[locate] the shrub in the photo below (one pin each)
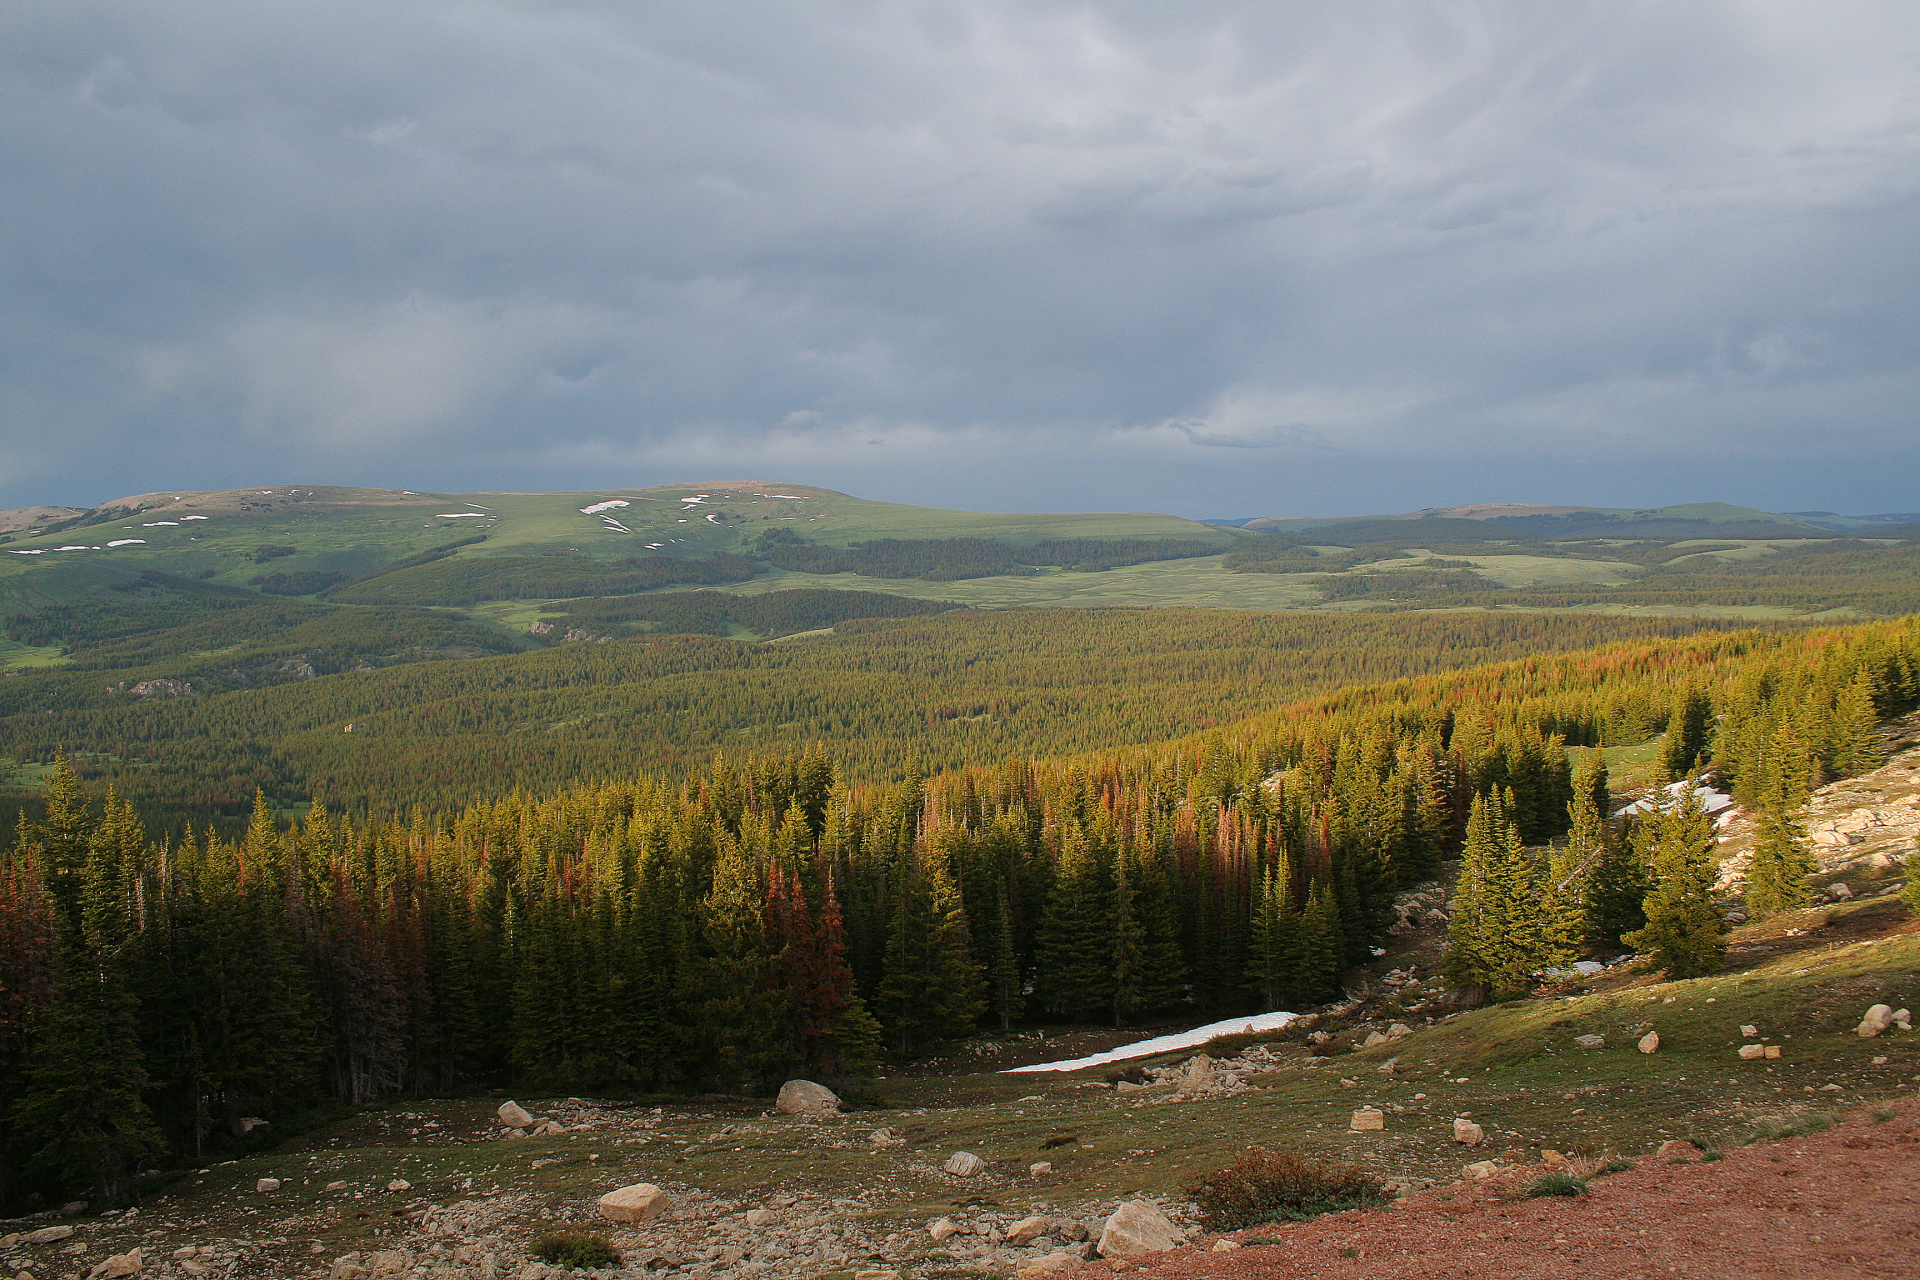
(1614, 1166)
(1280, 1186)
(579, 1249)
(1556, 1184)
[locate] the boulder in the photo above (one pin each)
(1752, 1051)
(336, 1186)
(1399, 1029)
(1553, 1159)
(266, 1184)
(641, 1202)
(757, 1218)
(1479, 1170)
(116, 1267)
(805, 1098)
(1028, 1230)
(514, 1116)
(1749, 1031)
(1373, 1038)
(247, 1124)
(47, 1235)
(1467, 1133)
(1039, 1168)
(1840, 890)
(1773, 1051)
(943, 1229)
(965, 1164)
(1225, 1246)
(1367, 1118)
(120, 1264)
(399, 1184)
(1137, 1227)
(1650, 1042)
(1051, 1262)
(1591, 1042)
(1878, 1019)
(1903, 1019)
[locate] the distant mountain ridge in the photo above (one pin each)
(1492, 520)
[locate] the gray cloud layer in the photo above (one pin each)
(1217, 257)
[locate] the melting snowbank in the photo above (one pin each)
(1167, 1044)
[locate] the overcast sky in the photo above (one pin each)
(1210, 257)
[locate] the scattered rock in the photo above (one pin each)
(641, 1202)
(1039, 1168)
(399, 1184)
(876, 1275)
(1373, 1038)
(1028, 1230)
(1480, 1171)
(1650, 1042)
(514, 1116)
(943, 1229)
(761, 1218)
(1903, 1019)
(1468, 1133)
(1591, 1042)
(1368, 1118)
(1137, 1227)
(336, 1186)
(1676, 1147)
(1839, 889)
(965, 1164)
(1051, 1262)
(1553, 1159)
(1749, 1031)
(1773, 1051)
(266, 1184)
(1399, 1029)
(120, 1264)
(1752, 1051)
(1225, 1246)
(47, 1235)
(247, 1124)
(805, 1098)
(1878, 1019)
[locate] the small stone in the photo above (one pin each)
(1373, 1038)
(641, 1202)
(1903, 1019)
(1773, 1051)
(1051, 1262)
(1137, 1227)
(1039, 1168)
(514, 1116)
(336, 1186)
(1399, 1029)
(266, 1184)
(1388, 1067)
(1879, 1059)
(1591, 1042)
(1479, 1171)
(761, 1217)
(1830, 1088)
(1553, 1159)
(399, 1184)
(1840, 890)
(1367, 1118)
(805, 1098)
(1878, 1019)
(1225, 1246)
(1753, 1051)
(964, 1164)
(1467, 1133)
(1028, 1230)
(943, 1229)
(1650, 1042)
(46, 1235)
(1749, 1031)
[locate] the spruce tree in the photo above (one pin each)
(1127, 940)
(1274, 945)
(1319, 948)
(1689, 727)
(1073, 970)
(1497, 935)
(1857, 743)
(1782, 862)
(932, 989)
(1685, 932)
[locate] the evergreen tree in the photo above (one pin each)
(1497, 934)
(1319, 945)
(83, 1113)
(1128, 940)
(1857, 743)
(1275, 940)
(1685, 932)
(1689, 727)
(1073, 951)
(1782, 862)
(932, 990)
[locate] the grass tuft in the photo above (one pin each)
(1280, 1186)
(582, 1250)
(1613, 1166)
(1556, 1184)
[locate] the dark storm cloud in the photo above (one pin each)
(1216, 257)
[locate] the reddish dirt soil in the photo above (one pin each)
(1841, 1203)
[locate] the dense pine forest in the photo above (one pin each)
(722, 929)
(187, 721)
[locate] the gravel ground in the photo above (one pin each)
(1841, 1203)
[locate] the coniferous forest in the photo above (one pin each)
(724, 928)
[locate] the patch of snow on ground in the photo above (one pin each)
(196, 517)
(460, 515)
(1714, 802)
(128, 542)
(162, 524)
(1166, 1044)
(610, 504)
(715, 518)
